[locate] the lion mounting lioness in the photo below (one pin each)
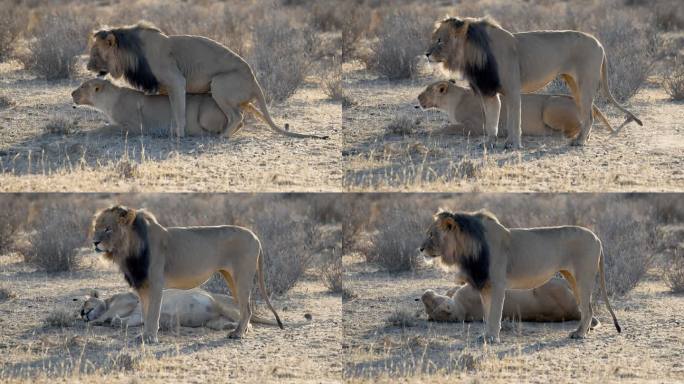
(495, 61)
(153, 257)
(154, 62)
(493, 259)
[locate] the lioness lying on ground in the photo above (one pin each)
(136, 112)
(185, 308)
(553, 301)
(541, 114)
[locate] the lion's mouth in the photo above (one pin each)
(86, 315)
(98, 250)
(102, 74)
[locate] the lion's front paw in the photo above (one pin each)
(235, 335)
(577, 142)
(577, 335)
(146, 339)
(512, 145)
(488, 339)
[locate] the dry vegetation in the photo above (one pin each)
(43, 338)
(388, 338)
(382, 155)
(46, 145)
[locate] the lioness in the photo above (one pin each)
(136, 112)
(542, 115)
(496, 61)
(552, 301)
(153, 62)
(493, 258)
(153, 257)
(185, 308)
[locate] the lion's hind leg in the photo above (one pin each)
(584, 287)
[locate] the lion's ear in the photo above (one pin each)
(110, 39)
(460, 31)
(447, 223)
(129, 217)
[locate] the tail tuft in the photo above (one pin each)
(287, 126)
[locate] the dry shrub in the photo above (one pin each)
(281, 56)
(356, 18)
(57, 236)
(60, 318)
(60, 125)
(5, 294)
(216, 284)
(674, 271)
(326, 15)
(12, 21)
(401, 40)
(402, 125)
(60, 35)
(332, 273)
(333, 87)
(673, 80)
(398, 236)
(287, 243)
(11, 218)
(401, 318)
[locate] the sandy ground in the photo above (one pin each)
(648, 350)
(95, 158)
(648, 158)
(306, 351)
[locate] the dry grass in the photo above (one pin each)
(59, 37)
(12, 21)
(402, 125)
(332, 273)
(674, 271)
(60, 125)
(60, 318)
(56, 239)
(401, 40)
(293, 47)
(6, 294)
(673, 80)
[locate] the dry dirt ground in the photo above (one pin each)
(648, 158)
(96, 158)
(306, 351)
(648, 350)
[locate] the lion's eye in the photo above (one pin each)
(108, 230)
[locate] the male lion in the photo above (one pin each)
(542, 115)
(153, 62)
(136, 112)
(493, 258)
(185, 308)
(496, 61)
(153, 257)
(553, 301)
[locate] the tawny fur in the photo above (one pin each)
(497, 62)
(173, 65)
(541, 114)
(493, 259)
(153, 257)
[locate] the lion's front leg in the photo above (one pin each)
(177, 98)
(492, 300)
(492, 109)
(511, 88)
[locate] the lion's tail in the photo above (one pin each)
(265, 116)
(603, 288)
(609, 96)
(262, 284)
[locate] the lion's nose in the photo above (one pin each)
(427, 54)
(96, 243)
(422, 249)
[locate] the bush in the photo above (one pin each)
(401, 318)
(60, 125)
(403, 37)
(355, 20)
(287, 242)
(397, 240)
(281, 57)
(58, 236)
(332, 273)
(12, 20)
(59, 37)
(11, 218)
(673, 81)
(674, 271)
(60, 318)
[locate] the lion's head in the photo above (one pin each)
(463, 45)
(119, 52)
(441, 95)
(459, 239)
(93, 307)
(442, 308)
(113, 230)
(87, 92)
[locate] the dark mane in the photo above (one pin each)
(483, 79)
(136, 68)
(135, 266)
(475, 267)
